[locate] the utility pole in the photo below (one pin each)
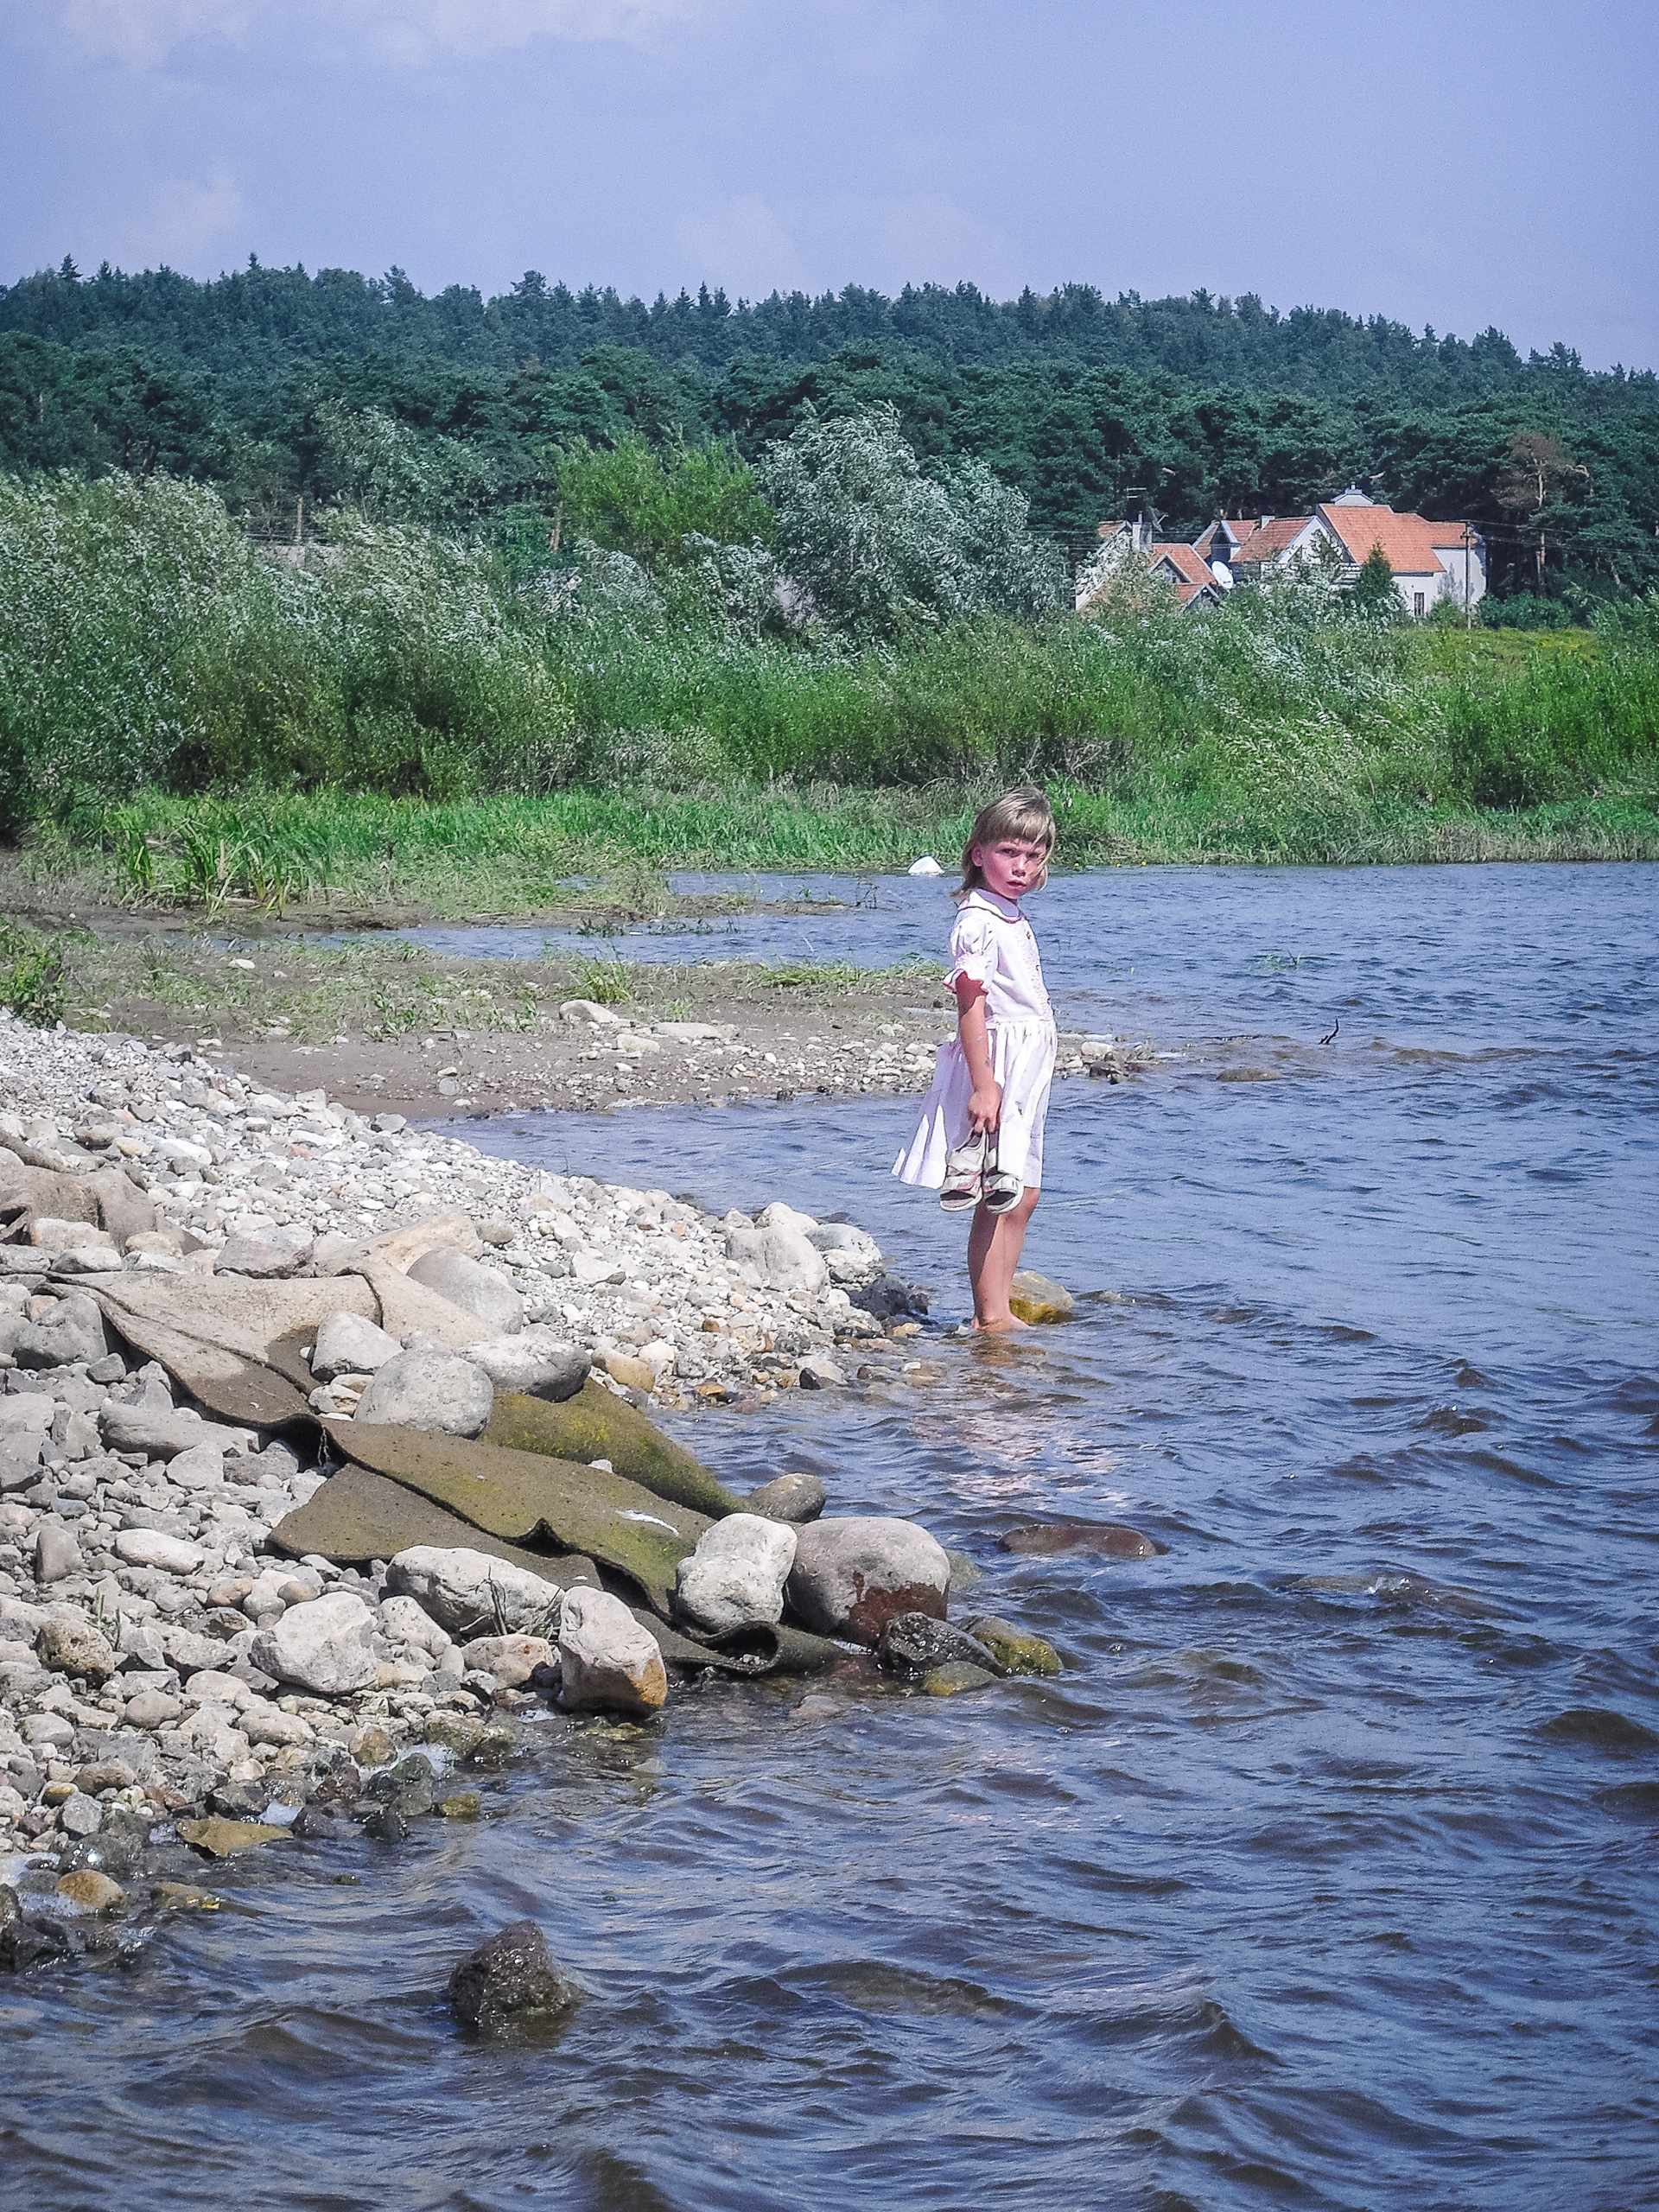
(299, 520)
(1468, 604)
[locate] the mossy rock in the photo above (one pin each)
(596, 1424)
(358, 1517)
(1014, 1652)
(527, 1498)
(1037, 1298)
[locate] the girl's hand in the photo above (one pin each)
(985, 1108)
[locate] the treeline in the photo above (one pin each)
(1085, 406)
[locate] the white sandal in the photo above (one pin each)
(999, 1190)
(965, 1167)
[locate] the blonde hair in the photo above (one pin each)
(1023, 813)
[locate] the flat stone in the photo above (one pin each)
(632, 1374)
(436, 1391)
(80, 1815)
(151, 1547)
(796, 1498)
(512, 1977)
(511, 1659)
(1015, 1651)
(152, 1709)
(917, 1643)
(607, 1660)
(219, 1838)
(159, 1431)
(265, 1253)
(736, 1575)
(852, 1576)
(199, 1468)
(596, 1424)
(482, 1292)
(74, 1331)
(590, 1013)
(323, 1646)
(464, 1805)
(1036, 1297)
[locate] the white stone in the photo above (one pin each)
(347, 1344)
(403, 1621)
(323, 1646)
(736, 1575)
(435, 1390)
(778, 1259)
(537, 1361)
(198, 1468)
(153, 1548)
(608, 1661)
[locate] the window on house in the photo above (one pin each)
(1416, 602)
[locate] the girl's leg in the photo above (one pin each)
(994, 1243)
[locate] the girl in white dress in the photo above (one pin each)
(979, 1141)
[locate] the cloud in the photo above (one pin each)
(180, 220)
(741, 243)
(145, 32)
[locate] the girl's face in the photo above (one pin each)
(1011, 867)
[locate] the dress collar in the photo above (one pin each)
(979, 895)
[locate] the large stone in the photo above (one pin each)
(510, 1977)
(199, 1468)
(535, 1362)
(347, 1344)
(851, 1577)
(218, 1838)
(778, 1258)
(159, 1431)
(88, 1891)
(433, 1391)
(795, 1498)
(1033, 1297)
(265, 1253)
(74, 1331)
(75, 1647)
(468, 1594)
(154, 1548)
(323, 1646)
(609, 1662)
(736, 1575)
(915, 1644)
(403, 1620)
(478, 1290)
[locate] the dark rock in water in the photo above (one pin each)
(318, 1825)
(339, 1785)
(120, 1844)
(1601, 1730)
(888, 1297)
(385, 1824)
(1110, 1539)
(406, 1788)
(796, 1498)
(238, 1801)
(512, 1977)
(25, 1943)
(1639, 1799)
(915, 1644)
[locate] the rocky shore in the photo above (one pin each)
(326, 1447)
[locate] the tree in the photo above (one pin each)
(633, 499)
(883, 547)
(1539, 467)
(1374, 593)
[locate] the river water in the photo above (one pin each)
(1324, 1877)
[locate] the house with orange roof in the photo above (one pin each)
(1431, 561)
(1181, 568)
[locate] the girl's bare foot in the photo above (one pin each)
(1002, 1328)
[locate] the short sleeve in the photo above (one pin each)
(973, 949)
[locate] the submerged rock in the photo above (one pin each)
(512, 1977)
(1037, 1298)
(219, 1838)
(1111, 1539)
(956, 1676)
(851, 1577)
(438, 1391)
(736, 1575)
(90, 1891)
(607, 1660)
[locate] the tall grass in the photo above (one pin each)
(216, 724)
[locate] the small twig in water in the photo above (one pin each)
(1330, 1038)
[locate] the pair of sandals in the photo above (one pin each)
(973, 1178)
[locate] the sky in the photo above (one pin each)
(1460, 165)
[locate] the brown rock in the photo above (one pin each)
(851, 1577)
(1110, 1539)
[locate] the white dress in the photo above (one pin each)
(992, 942)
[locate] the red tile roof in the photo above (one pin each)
(1407, 541)
(1268, 539)
(1192, 572)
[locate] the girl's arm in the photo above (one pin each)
(985, 1107)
